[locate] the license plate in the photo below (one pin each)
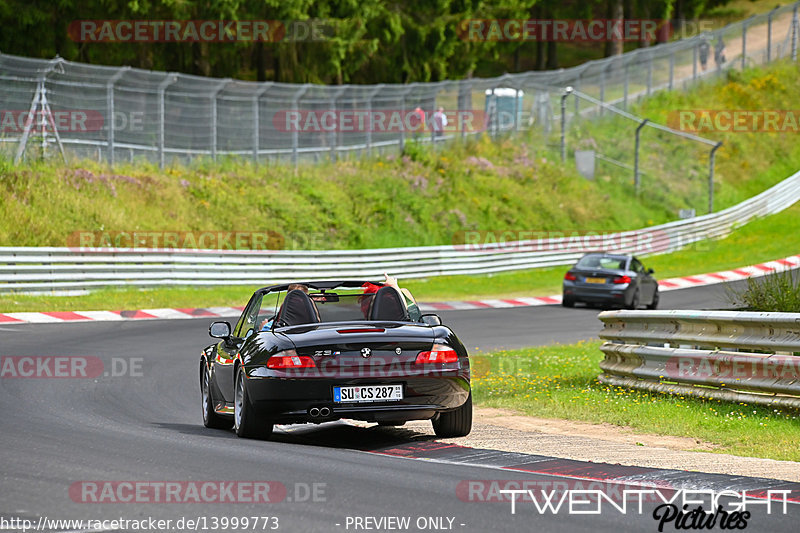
(368, 393)
(595, 280)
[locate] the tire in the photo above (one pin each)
(456, 423)
(654, 303)
(568, 302)
(634, 300)
(210, 417)
(246, 422)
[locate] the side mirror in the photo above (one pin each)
(220, 330)
(651, 271)
(431, 319)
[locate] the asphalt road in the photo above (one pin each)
(145, 425)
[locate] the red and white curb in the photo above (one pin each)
(671, 284)
(105, 316)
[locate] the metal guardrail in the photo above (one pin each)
(726, 355)
(51, 268)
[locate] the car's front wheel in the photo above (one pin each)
(210, 417)
(246, 421)
(456, 423)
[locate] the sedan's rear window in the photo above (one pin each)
(602, 262)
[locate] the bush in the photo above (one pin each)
(778, 292)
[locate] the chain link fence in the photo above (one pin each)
(118, 114)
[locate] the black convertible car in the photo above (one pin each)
(321, 351)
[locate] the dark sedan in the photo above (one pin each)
(611, 280)
(321, 351)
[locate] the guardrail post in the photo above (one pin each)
(162, 87)
(636, 179)
(564, 95)
(711, 176)
(110, 112)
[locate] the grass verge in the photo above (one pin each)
(560, 381)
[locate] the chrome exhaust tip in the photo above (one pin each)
(314, 411)
(324, 411)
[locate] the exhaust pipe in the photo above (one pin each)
(324, 411)
(314, 411)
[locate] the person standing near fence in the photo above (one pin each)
(703, 50)
(439, 122)
(719, 52)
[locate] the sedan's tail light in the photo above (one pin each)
(621, 279)
(290, 359)
(440, 353)
(569, 276)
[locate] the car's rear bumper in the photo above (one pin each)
(290, 400)
(601, 294)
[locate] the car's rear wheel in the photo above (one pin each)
(654, 303)
(567, 302)
(456, 423)
(210, 417)
(246, 422)
(634, 300)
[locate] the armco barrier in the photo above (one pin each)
(727, 355)
(50, 268)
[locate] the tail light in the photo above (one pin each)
(621, 279)
(440, 353)
(290, 359)
(569, 276)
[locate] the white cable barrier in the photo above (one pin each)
(65, 268)
(743, 357)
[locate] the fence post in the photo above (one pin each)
(636, 179)
(694, 63)
(671, 69)
(769, 34)
(110, 112)
(602, 89)
(369, 114)
(625, 87)
(745, 23)
(257, 119)
(162, 87)
(214, 93)
(794, 33)
(295, 133)
(711, 176)
(564, 95)
(649, 72)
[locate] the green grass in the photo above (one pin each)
(560, 381)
